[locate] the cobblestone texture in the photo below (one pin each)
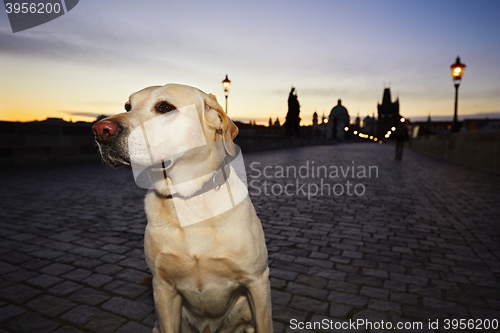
(422, 242)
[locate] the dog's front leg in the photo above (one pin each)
(168, 305)
(260, 300)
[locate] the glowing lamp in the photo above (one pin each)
(457, 70)
(226, 84)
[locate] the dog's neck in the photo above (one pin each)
(193, 173)
(214, 181)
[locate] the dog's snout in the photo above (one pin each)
(105, 130)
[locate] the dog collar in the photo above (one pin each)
(215, 182)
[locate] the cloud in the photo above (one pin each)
(89, 114)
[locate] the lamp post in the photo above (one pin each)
(226, 84)
(457, 70)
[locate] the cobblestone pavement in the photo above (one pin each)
(417, 241)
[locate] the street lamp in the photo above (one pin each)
(457, 70)
(226, 84)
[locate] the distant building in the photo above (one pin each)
(277, 122)
(388, 113)
(370, 125)
(481, 125)
(337, 121)
(357, 122)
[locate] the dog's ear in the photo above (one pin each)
(229, 129)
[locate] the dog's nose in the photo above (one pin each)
(105, 130)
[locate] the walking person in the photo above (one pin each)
(401, 135)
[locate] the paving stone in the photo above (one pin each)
(309, 304)
(372, 317)
(278, 327)
(126, 289)
(417, 280)
(47, 254)
(105, 323)
(343, 287)
(279, 297)
(78, 274)
(64, 288)
(150, 319)
(444, 306)
(56, 269)
(87, 252)
(300, 289)
(127, 308)
(17, 293)
(314, 262)
(404, 298)
(376, 272)
(284, 314)
(136, 263)
(329, 274)
(68, 329)
(395, 285)
(339, 310)
(19, 275)
(278, 283)
(97, 280)
(87, 263)
(30, 322)
(348, 299)
(371, 292)
(108, 269)
(365, 280)
(6, 268)
(44, 280)
(352, 254)
(112, 258)
(312, 281)
(484, 313)
(89, 296)
(283, 274)
(131, 275)
(9, 311)
(81, 314)
(132, 327)
(15, 258)
(384, 306)
(50, 306)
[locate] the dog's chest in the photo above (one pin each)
(202, 278)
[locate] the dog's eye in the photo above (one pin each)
(164, 107)
(128, 106)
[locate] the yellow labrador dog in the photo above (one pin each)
(209, 264)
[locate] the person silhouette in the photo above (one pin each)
(400, 135)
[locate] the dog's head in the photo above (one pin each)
(166, 128)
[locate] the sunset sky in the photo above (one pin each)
(87, 62)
